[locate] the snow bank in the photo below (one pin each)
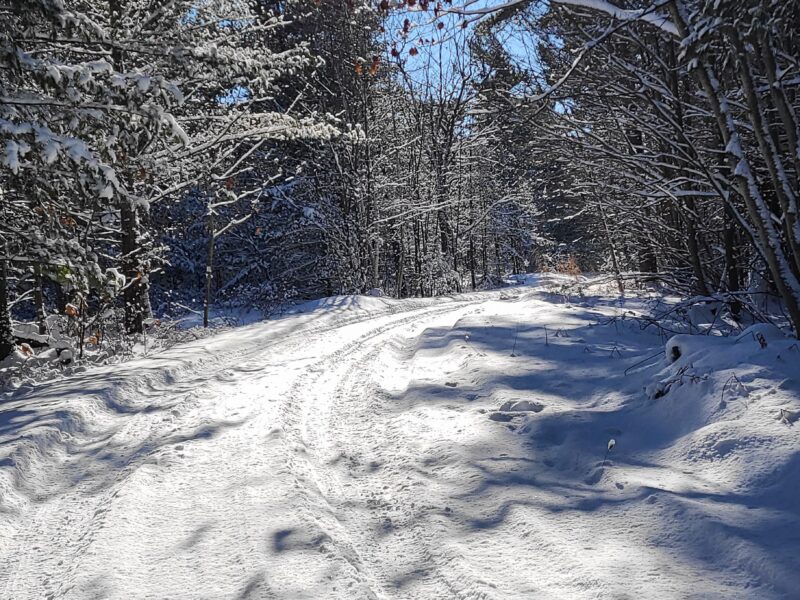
(369, 303)
(698, 488)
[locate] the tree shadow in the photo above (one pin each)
(552, 462)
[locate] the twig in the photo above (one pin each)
(516, 335)
(643, 361)
(478, 352)
(739, 382)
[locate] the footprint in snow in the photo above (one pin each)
(515, 408)
(521, 406)
(595, 476)
(501, 417)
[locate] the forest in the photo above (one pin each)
(159, 159)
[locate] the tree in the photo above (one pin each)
(109, 107)
(650, 93)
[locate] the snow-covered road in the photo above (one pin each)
(358, 450)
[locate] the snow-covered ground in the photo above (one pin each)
(451, 448)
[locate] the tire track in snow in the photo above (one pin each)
(410, 522)
(310, 475)
(68, 521)
(343, 388)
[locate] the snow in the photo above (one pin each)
(647, 15)
(368, 447)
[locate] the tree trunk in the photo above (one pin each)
(137, 302)
(376, 257)
(765, 236)
(731, 263)
(776, 169)
(38, 299)
(212, 240)
(700, 286)
(613, 250)
(472, 262)
(6, 337)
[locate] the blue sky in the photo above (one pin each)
(449, 43)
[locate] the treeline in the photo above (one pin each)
(163, 157)
(677, 123)
(419, 195)
(109, 108)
